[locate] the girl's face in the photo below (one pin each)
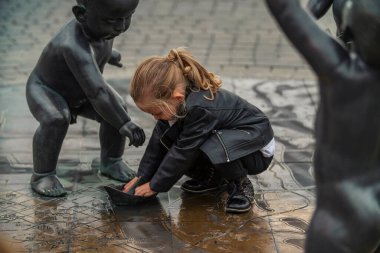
(163, 111)
(160, 112)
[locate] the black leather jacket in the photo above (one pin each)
(225, 129)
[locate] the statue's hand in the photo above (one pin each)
(115, 59)
(135, 133)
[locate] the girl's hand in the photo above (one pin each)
(144, 190)
(128, 186)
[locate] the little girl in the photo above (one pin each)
(207, 133)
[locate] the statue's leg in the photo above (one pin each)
(347, 218)
(112, 148)
(112, 145)
(321, 236)
(53, 114)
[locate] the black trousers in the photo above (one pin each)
(251, 164)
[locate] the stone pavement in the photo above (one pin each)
(236, 39)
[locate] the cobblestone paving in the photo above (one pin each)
(236, 39)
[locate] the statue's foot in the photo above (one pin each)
(47, 185)
(117, 169)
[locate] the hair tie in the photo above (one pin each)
(173, 55)
(186, 71)
(170, 58)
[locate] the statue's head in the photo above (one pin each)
(361, 20)
(104, 19)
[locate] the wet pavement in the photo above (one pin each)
(254, 60)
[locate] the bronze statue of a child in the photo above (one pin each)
(318, 8)
(67, 81)
(347, 152)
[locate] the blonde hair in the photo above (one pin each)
(160, 76)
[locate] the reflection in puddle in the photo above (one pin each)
(201, 221)
(142, 226)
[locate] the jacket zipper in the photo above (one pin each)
(164, 144)
(162, 137)
(243, 131)
(222, 143)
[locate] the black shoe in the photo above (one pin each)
(210, 181)
(196, 186)
(241, 195)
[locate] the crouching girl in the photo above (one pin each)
(207, 133)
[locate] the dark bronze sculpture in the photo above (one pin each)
(347, 155)
(67, 81)
(319, 8)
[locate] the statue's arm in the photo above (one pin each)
(319, 7)
(320, 50)
(105, 100)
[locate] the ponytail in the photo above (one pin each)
(159, 76)
(195, 72)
